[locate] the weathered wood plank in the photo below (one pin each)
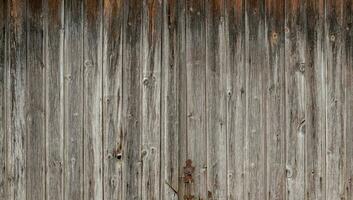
(3, 62)
(35, 102)
(73, 99)
(113, 30)
(172, 63)
(255, 140)
(15, 100)
(92, 100)
(151, 98)
(236, 91)
(315, 101)
(335, 145)
(196, 114)
(295, 36)
(54, 34)
(275, 100)
(216, 100)
(132, 70)
(348, 109)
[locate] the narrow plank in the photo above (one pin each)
(335, 149)
(172, 62)
(15, 100)
(151, 98)
(54, 35)
(275, 99)
(132, 155)
(216, 100)
(92, 100)
(35, 102)
(3, 29)
(236, 91)
(295, 49)
(348, 109)
(196, 97)
(315, 113)
(113, 30)
(255, 140)
(73, 101)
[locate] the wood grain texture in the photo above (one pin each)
(3, 62)
(236, 96)
(35, 102)
(113, 29)
(196, 97)
(295, 36)
(176, 99)
(15, 100)
(73, 101)
(92, 100)
(216, 100)
(132, 70)
(54, 79)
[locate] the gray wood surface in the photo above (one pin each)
(169, 99)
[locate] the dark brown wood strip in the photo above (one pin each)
(113, 30)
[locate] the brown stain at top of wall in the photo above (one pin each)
(91, 10)
(112, 6)
(217, 7)
(53, 12)
(16, 12)
(154, 7)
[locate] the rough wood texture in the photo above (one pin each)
(176, 99)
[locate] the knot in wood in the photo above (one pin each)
(188, 171)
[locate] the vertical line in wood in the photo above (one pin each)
(236, 96)
(274, 90)
(314, 70)
(54, 99)
(133, 67)
(216, 114)
(74, 87)
(113, 154)
(3, 29)
(151, 97)
(255, 159)
(196, 114)
(16, 95)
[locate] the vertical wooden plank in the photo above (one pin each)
(35, 102)
(3, 45)
(335, 146)
(348, 109)
(92, 100)
(131, 100)
(314, 70)
(216, 98)
(54, 34)
(113, 30)
(73, 92)
(236, 93)
(151, 98)
(275, 91)
(295, 36)
(16, 95)
(255, 141)
(196, 97)
(173, 132)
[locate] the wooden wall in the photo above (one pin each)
(176, 99)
